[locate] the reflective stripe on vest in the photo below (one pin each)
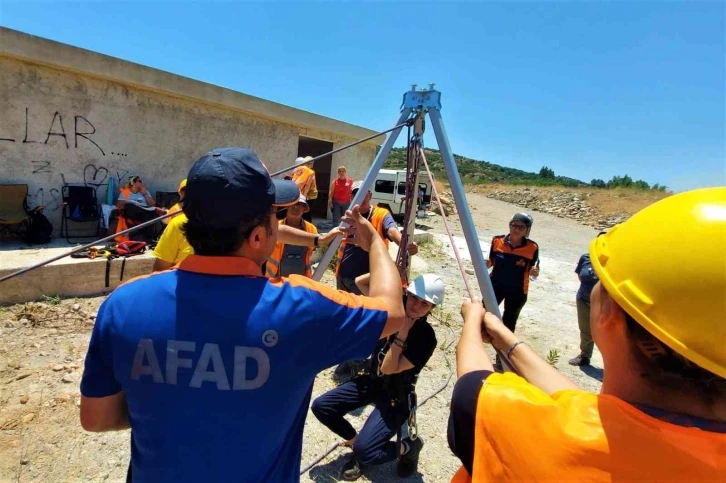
(273, 263)
(376, 218)
(524, 434)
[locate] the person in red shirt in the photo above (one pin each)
(340, 195)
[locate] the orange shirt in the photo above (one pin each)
(523, 434)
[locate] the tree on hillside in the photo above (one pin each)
(640, 184)
(547, 173)
(597, 183)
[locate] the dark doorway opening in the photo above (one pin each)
(322, 168)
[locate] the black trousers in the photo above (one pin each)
(373, 445)
(514, 299)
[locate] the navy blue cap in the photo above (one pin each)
(230, 186)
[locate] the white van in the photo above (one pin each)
(389, 189)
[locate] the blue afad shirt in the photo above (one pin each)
(217, 364)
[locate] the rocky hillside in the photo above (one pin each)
(600, 209)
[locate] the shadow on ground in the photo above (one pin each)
(331, 471)
(594, 372)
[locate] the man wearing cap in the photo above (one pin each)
(212, 364)
(289, 259)
(661, 413)
(352, 260)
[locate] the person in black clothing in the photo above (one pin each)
(513, 258)
(390, 378)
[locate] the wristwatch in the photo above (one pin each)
(315, 240)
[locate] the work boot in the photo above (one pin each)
(351, 469)
(580, 360)
(408, 463)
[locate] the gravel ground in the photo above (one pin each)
(42, 348)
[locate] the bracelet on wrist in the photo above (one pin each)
(512, 347)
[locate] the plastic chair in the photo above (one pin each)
(80, 205)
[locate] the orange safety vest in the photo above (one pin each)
(121, 224)
(301, 176)
(523, 434)
(273, 263)
(376, 218)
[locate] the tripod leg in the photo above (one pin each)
(467, 223)
(367, 182)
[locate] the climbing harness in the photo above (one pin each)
(438, 390)
(122, 250)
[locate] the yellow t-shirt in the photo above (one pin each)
(173, 246)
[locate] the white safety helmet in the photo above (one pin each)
(302, 160)
(429, 287)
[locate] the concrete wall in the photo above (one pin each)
(72, 116)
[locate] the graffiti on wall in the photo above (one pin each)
(50, 200)
(69, 131)
(81, 135)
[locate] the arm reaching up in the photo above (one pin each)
(385, 283)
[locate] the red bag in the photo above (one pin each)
(128, 248)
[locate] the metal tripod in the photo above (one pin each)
(416, 104)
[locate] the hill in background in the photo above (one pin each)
(483, 172)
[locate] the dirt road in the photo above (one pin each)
(42, 348)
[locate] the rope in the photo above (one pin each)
(423, 401)
(501, 355)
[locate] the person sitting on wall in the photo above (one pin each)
(289, 259)
(136, 205)
(304, 178)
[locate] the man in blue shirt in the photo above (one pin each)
(588, 280)
(212, 365)
(352, 261)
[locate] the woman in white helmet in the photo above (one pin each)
(387, 383)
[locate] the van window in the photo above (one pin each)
(385, 186)
(401, 188)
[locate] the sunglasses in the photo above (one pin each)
(281, 213)
(518, 226)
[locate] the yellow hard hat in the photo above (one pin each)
(666, 267)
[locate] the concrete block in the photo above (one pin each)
(68, 277)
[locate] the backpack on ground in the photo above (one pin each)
(39, 229)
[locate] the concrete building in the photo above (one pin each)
(68, 115)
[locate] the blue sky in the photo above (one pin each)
(590, 89)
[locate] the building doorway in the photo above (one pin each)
(323, 167)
